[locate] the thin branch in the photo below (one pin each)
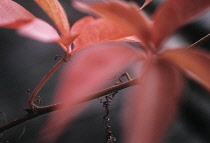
(44, 80)
(48, 109)
(200, 42)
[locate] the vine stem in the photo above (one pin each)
(44, 80)
(50, 108)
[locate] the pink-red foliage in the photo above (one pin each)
(153, 105)
(87, 71)
(42, 31)
(173, 14)
(97, 31)
(56, 13)
(12, 15)
(194, 62)
(125, 17)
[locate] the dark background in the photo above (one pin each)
(24, 62)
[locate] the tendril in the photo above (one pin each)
(108, 98)
(109, 135)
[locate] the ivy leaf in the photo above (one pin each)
(172, 14)
(56, 13)
(79, 25)
(96, 31)
(12, 15)
(39, 30)
(152, 106)
(125, 16)
(193, 61)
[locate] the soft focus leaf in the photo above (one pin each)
(151, 107)
(195, 62)
(96, 31)
(12, 15)
(125, 16)
(56, 13)
(39, 30)
(172, 14)
(88, 70)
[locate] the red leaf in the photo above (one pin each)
(56, 13)
(152, 107)
(125, 16)
(39, 30)
(173, 14)
(87, 71)
(96, 31)
(12, 15)
(196, 63)
(78, 26)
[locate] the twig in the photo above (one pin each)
(44, 80)
(200, 42)
(47, 109)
